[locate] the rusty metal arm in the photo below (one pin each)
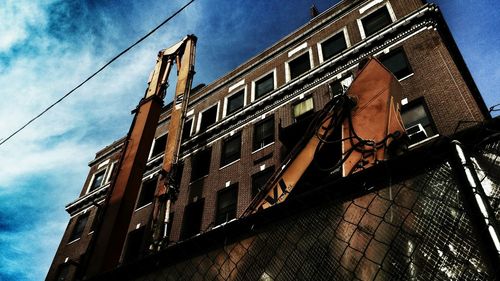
(368, 115)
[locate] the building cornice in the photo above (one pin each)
(401, 30)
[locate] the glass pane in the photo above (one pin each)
(226, 204)
(81, 221)
(376, 21)
(231, 150)
(263, 133)
(417, 114)
(264, 85)
(397, 63)
(98, 178)
(200, 164)
(333, 46)
(147, 193)
(299, 65)
(186, 129)
(235, 102)
(208, 118)
(303, 107)
(159, 146)
(259, 179)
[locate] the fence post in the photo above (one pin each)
(482, 216)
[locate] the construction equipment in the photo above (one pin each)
(363, 122)
(105, 249)
(168, 189)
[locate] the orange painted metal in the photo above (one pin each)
(109, 238)
(166, 191)
(375, 120)
(377, 94)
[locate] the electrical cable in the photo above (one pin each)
(97, 72)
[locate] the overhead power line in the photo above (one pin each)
(97, 72)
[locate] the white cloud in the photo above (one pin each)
(51, 154)
(17, 17)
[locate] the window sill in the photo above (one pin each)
(264, 147)
(224, 223)
(417, 144)
(142, 207)
(154, 158)
(73, 241)
(198, 179)
(406, 77)
(229, 164)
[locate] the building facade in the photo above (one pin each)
(232, 139)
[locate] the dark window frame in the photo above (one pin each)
(198, 171)
(135, 244)
(372, 16)
(336, 86)
(93, 184)
(79, 227)
(147, 192)
(402, 73)
(232, 96)
(266, 140)
(291, 65)
(421, 102)
(304, 114)
(261, 80)
(266, 173)
(63, 272)
(229, 212)
(186, 132)
(205, 125)
(331, 39)
(155, 151)
(193, 211)
(225, 158)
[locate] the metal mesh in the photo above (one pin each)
(487, 163)
(416, 229)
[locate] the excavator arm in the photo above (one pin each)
(368, 118)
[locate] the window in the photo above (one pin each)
(208, 118)
(226, 204)
(333, 46)
(339, 86)
(195, 191)
(193, 214)
(303, 108)
(80, 223)
(134, 244)
(397, 62)
(159, 146)
(97, 180)
(376, 21)
(414, 114)
(264, 85)
(200, 164)
(186, 130)
(62, 272)
(263, 133)
(231, 149)
(260, 179)
(112, 171)
(235, 102)
(299, 65)
(147, 192)
(97, 213)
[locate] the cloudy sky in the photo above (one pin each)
(49, 46)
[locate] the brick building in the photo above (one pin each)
(233, 134)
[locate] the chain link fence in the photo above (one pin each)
(415, 228)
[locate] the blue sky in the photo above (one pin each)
(49, 46)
